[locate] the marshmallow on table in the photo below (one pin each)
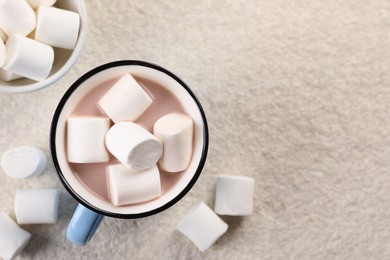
(28, 58)
(57, 27)
(13, 239)
(202, 226)
(36, 206)
(133, 146)
(125, 101)
(175, 132)
(16, 17)
(8, 76)
(85, 139)
(36, 3)
(129, 187)
(234, 195)
(2, 53)
(23, 162)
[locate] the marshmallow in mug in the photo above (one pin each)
(28, 58)
(36, 3)
(202, 226)
(126, 100)
(57, 27)
(12, 237)
(85, 139)
(133, 146)
(129, 187)
(234, 195)
(175, 131)
(37, 206)
(17, 17)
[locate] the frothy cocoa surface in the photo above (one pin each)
(93, 175)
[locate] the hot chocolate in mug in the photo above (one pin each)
(88, 182)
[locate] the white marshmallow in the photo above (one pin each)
(16, 17)
(86, 139)
(2, 53)
(133, 146)
(28, 58)
(202, 226)
(23, 162)
(36, 206)
(57, 27)
(3, 36)
(129, 187)
(234, 195)
(126, 100)
(13, 239)
(8, 76)
(36, 3)
(176, 133)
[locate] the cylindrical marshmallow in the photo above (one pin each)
(176, 133)
(129, 187)
(13, 239)
(126, 100)
(234, 195)
(85, 139)
(23, 162)
(36, 3)
(16, 17)
(2, 54)
(28, 58)
(36, 206)
(8, 76)
(57, 27)
(133, 146)
(3, 36)
(202, 226)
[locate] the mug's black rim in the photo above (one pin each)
(53, 130)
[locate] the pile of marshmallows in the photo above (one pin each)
(136, 178)
(32, 206)
(29, 29)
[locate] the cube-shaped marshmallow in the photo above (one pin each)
(234, 195)
(202, 226)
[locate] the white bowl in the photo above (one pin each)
(63, 59)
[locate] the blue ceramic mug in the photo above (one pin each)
(93, 207)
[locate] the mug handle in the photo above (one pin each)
(83, 225)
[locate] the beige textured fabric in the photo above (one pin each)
(297, 95)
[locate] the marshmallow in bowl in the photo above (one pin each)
(36, 3)
(57, 27)
(129, 187)
(13, 238)
(126, 100)
(28, 58)
(3, 36)
(85, 139)
(133, 146)
(234, 195)
(2, 54)
(202, 226)
(17, 17)
(23, 162)
(8, 76)
(37, 206)
(175, 131)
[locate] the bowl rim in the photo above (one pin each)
(53, 131)
(65, 68)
